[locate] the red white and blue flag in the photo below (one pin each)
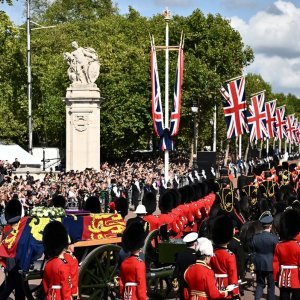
(271, 117)
(175, 115)
(280, 122)
(157, 113)
(166, 131)
(257, 117)
(290, 128)
(234, 106)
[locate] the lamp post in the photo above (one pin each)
(29, 77)
(195, 110)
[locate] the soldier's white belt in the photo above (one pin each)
(286, 267)
(221, 275)
(130, 284)
(56, 287)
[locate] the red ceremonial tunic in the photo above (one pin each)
(201, 282)
(286, 264)
(73, 264)
(57, 280)
(223, 263)
(133, 279)
(153, 222)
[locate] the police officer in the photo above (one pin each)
(263, 246)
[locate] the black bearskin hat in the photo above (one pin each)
(285, 165)
(13, 211)
(222, 231)
(166, 202)
(289, 224)
(92, 204)
(59, 201)
(149, 201)
(55, 238)
(257, 170)
(121, 206)
(223, 172)
(133, 237)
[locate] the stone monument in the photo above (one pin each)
(82, 110)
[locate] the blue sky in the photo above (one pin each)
(270, 27)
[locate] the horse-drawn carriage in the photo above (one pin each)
(98, 257)
(97, 242)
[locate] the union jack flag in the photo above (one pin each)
(280, 122)
(257, 117)
(234, 106)
(163, 130)
(270, 117)
(175, 116)
(296, 131)
(290, 128)
(157, 113)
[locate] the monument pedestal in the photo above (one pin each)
(82, 127)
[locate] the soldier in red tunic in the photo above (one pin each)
(223, 263)
(57, 277)
(133, 269)
(286, 261)
(200, 277)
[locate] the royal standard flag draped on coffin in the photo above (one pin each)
(25, 241)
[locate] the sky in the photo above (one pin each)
(271, 28)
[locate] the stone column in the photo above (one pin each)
(82, 127)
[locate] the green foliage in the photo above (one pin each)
(214, 52)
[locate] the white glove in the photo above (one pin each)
(230, 287)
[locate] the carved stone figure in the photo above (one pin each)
(84, 66)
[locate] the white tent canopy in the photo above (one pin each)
(11, 152)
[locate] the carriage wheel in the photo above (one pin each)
(158, 282)
(150, 249)
(98, 273)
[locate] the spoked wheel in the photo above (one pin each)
(98, 274)
(158, 275)
(150, 249)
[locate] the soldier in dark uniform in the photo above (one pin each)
(263, 246)
(183, 260)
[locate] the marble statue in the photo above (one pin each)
(84, 66)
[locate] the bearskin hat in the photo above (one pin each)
(285, 165)
(176, 197)
(223, 172)
(121, 206)
(92, 204)
(59, 201)
(166, 202)
(222, 231)
(258, 170)
(133, 237)
(289, 224)
(13, 211)
(149, 201)
(55, 238)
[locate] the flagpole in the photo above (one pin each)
(167, 17)
(267, 150)
(240, 146)
(279, 146)
(215, 128)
